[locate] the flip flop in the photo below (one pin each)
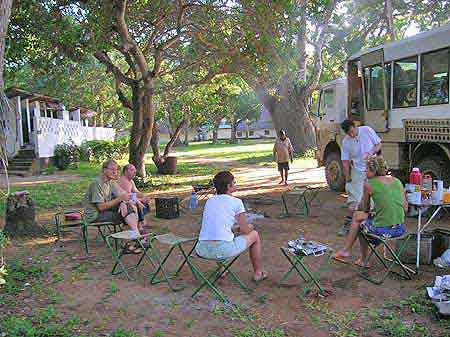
(260, 278)
(360, 263)
(341, 258)
(132, 250)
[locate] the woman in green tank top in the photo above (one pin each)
(388, 216)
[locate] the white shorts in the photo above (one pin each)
(355, 188)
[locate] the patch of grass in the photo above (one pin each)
(123, 333)
(19, 274)
(57, 277)
(54, 296)
(391, 324)
(42, 323)
(158, 333)
(190, 323)
(339, 324)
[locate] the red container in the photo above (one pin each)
(415, 177)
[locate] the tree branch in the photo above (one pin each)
(122, 98)
(103, 57)
(175, 136)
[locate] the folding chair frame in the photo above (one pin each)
(162, 262)
(223, 267)
(405, 272)
(202, 191)
(304, 198)
(118, 254)
(102, 228)
(305, 272)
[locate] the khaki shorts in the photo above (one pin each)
(355, 188)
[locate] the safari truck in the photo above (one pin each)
(400, 89)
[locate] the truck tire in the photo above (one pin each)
(438, 168)
(334, 172)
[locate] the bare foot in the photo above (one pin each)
(285, 183)
(282, 181)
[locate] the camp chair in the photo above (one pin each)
(373, 242)
(122, 240)
(210, 278)
(174, 242)
(297, 263)
(203, 191)
(302, 198)
(62, 225)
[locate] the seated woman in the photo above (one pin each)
(221, 213)
(389, 213)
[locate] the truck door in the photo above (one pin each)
(376, 83)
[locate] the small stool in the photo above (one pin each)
(373, 241)
(223, 268)
(174, 241)
(203, 191)
(296, 260)
(167, 208)
(303, 197)
(128, 236)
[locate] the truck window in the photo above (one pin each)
(326, 101)
(434, 77)
(405, 83)
(373, 78)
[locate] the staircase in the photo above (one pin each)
(22, 163)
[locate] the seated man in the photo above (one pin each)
(104, 200)
(390, 207)
(127, 184)
(216, 239)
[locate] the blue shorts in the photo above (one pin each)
(387, 232)
(221, 250)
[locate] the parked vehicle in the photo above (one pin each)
(401, 90)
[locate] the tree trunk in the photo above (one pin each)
(215, 135)
(291, 114)
(389, 16)
(21, 217)
(141, 130)
(5, 12)
(159, 159)
(233, 139)
(186, 136)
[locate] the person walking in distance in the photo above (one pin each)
(283, 152)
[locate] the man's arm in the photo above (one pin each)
(104, 206)
(376, 140)
(134, 189)
(275, 152)
(291, 151)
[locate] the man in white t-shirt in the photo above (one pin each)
(358, 144)
(222, 217)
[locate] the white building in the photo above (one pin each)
(37, 123)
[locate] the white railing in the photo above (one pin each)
(49, 132)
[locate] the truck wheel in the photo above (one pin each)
(334, 172)
(438, 168)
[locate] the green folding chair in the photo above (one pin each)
(302, 198)
(103, 229)
(175, 242)
(307, 275)
(388, 264)
(63, 225)
(121, 240)
(210, 279)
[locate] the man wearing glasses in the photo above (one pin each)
(105, 201)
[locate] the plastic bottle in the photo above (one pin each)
(193, 202)
(415, 177)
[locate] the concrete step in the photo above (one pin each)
(17, 173)
(21, 161)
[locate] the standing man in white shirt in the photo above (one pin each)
(358, 144)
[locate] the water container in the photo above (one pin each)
(415, 177)
(193, 203)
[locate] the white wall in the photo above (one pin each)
(56, 131)
(224, 134)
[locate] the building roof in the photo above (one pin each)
(84, 112)
(32, 96)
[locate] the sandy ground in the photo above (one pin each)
(150, 309)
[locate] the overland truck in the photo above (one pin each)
(400, 89)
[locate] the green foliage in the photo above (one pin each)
(66, 154)
(19, 274)
(143, 183)
(123, 333)
(42, 323)
(99, 151)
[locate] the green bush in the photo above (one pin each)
(100, 150)
(66, 154)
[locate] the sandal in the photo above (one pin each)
(131, 249)
(341, 257)
(360, 263)
(261, 278)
